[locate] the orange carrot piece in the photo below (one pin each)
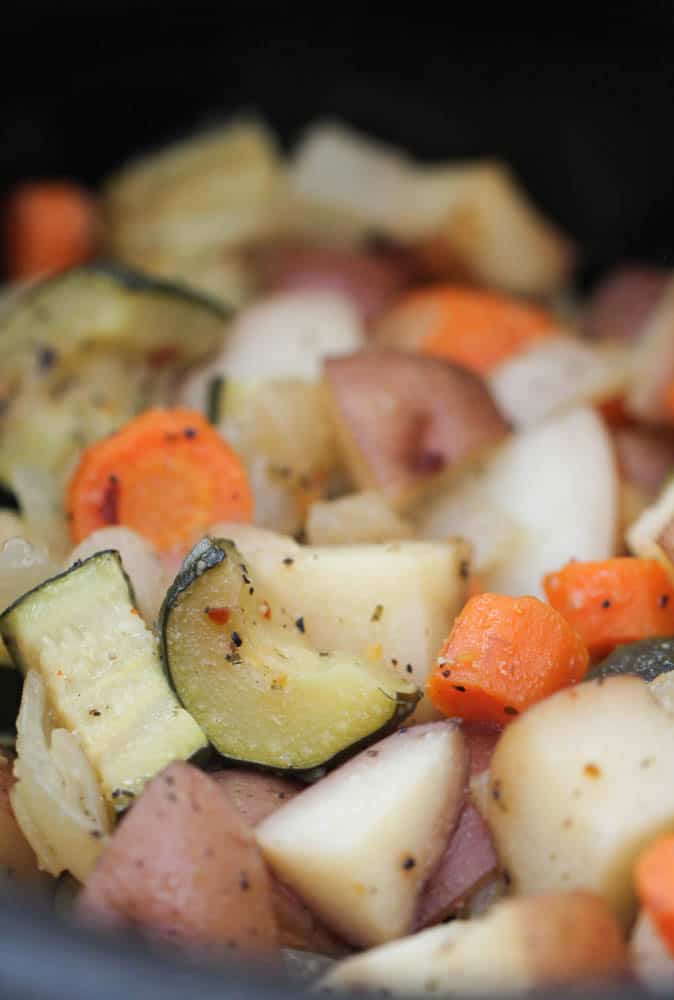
(167, 474)
(614, 601)
(471, 327)
(503, 655)
(49, 226)
(654, 880)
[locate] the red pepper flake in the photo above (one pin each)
(265, 610)
(162, 356)
(592, 771)
(135, 611)
(218, 615)
(110, 501)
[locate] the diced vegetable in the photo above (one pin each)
(554, 375)
(468, 864)
(403, 419)
(288, 336)
(100, 665)
(623, 301)
(139, 559)
(652, 536)
(56, 799)
(255, 794)
(179, 209)
(167, 475)
(654, 879)
(470, 327)
(83, 352)
(613, 601)
(397, 600)
(250, 677)
(578, 785)
(49, 226)
(528, 511)
(463, 217)
(502, 656)
(370, 281)
(282, 429)
(183, 867)
(355, 518)
(647, 658)
(520, 944)
(645, 458)
(653, 363)
(359, 845)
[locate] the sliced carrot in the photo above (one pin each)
(654, 880)
(49, 226)
(614, 601)
(167, 474)
(471, 327)
(503, 655)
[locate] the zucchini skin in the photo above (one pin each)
(132, 280)
(7, 637)
(646, 658)
(207, 554)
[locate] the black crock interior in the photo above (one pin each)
(580, 104)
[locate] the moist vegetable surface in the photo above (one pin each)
(337, 571)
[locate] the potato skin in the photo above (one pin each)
(183, 867)
(257, 795)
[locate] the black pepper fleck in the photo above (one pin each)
(288, 561)
(299, 622)
(606, 603)
(664, 600)
(459, 687)
(464, 569)
(408, 863)
(190, 432)
(237, 640)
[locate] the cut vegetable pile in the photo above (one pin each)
(337, 584)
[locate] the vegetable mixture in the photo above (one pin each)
(337, 569)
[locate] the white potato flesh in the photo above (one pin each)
(359, 845)
(56, 798)
(396, 599)
(579, 784)
(139, 559)
(547, 495)
(518, 944)
(343, 185)
(356, 517)
(555, 375)
(643, 535)
(289, 335)
(651, 961)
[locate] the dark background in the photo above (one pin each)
(577, 100)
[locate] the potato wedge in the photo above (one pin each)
(257, 795)
(359, 845)
(183, 868)
(403, 419)
(519, 944)
(397, 599)
(578, 785)
(544, 509)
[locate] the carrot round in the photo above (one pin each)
(471, 327)
(503, 655)
(167, 474)
(654, 880)
(613, 601)
(49, 226)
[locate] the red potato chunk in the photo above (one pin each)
(257, 795)
(623, 301)
(184, 869)
(372, 282)
(402, 419)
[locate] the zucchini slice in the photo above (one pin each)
(83, 352)
(646, 658)
(100, 665)
(250, 677)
